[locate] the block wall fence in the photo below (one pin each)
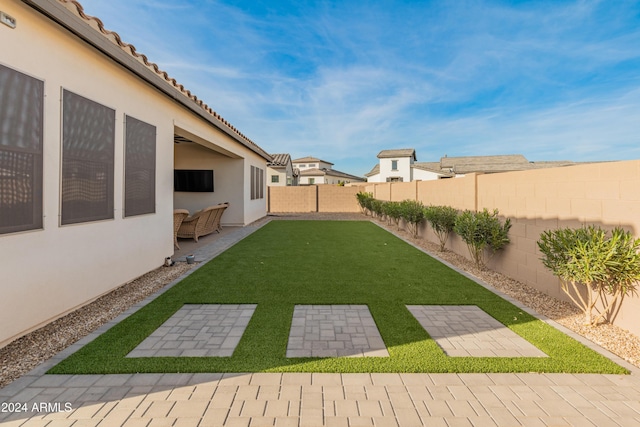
(602, 194)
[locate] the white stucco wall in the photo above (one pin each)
(47, 273)
(403, 170)
(280, 173)
(423, 175)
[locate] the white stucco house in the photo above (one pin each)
(91, 134)
(314, 171)
(280, 171)
(401, 165)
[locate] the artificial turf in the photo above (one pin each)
(286, 263)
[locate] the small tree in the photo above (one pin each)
(364, 201)
(481, 230)
(442, 220)
(412, 211)
(608, 268)
(376, 207)
(393, 212)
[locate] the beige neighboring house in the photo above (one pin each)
(90, 135)
(401, 166)
(314, 171)
(280, 171)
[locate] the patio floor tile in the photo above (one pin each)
(198, 330)
(334, 331)
(467, 331)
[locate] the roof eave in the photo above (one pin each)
(62, 16)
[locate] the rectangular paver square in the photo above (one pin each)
(467, 331)
(322, 331)
(198, 330)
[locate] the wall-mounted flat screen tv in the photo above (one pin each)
(193, 180)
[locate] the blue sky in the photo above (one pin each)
(342, 80)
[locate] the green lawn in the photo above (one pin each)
(330, 262)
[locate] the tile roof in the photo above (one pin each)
(493, 164)
(374, 171)
(401, 152)
(310, 159)
(330, 172)
(96, 24)
(279, 160)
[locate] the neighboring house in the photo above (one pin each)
(280, 171)
(317, 171)
(401, 165)
(493, 164)
(90, 135)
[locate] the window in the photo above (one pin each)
(257, 183)
(21, 129)
(302, 166)
(312, 180)
(88, 140)
(312, 165)
(275, 178)
(139, 168)
(394, 165)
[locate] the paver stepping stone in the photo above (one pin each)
(198, 330)
(334, 331)
(466, 330)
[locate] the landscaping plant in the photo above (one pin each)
(412, 211)
(393, 212)
(593, 266)
(442, 220)
(481, 230)
(364, 201)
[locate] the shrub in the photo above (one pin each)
(376, 207)
(442, 220)
(412, 211)
(364, 201)
(586, 259)
(393, 212)
(481, 230)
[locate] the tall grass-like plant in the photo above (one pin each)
(442, 220)
(412, 211)
(593, 266)
(481, 230)
(393, 212)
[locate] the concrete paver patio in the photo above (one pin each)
(316, 399)
(334, 331)
(467, 331)
(198, 330)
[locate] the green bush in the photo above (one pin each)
(607, 267)
(376, 206)
(393, 212)
(442, 220)
(364, 201)
(481, 230)
(412, 211)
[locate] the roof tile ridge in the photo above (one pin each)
(95, 22)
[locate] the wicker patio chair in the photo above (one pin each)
(178, 216)
(202, 222)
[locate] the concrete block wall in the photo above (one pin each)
(292, 199)
(333, 198)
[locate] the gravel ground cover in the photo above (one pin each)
(24, 354)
